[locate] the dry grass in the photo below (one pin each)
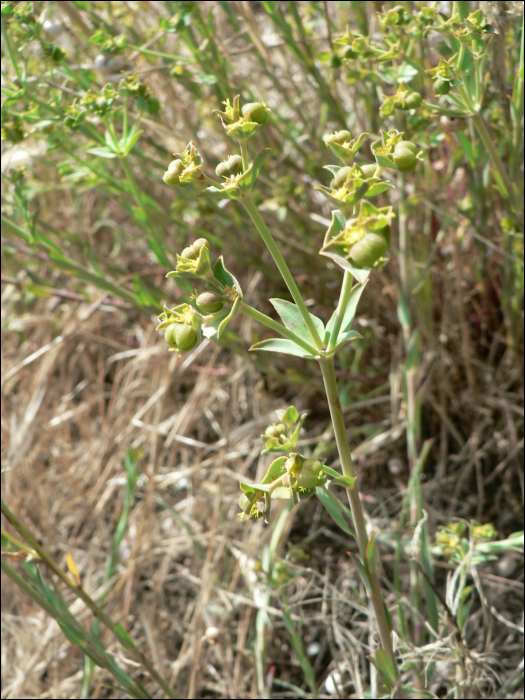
(101, 383)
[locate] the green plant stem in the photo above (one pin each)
(484, 135)
(517, 99)
(275, 326)
(95, 609)
(403, 241)
(11, 54)
(244, 154)
(283, 268)
(133, 183)
(443, 110)
(332, 393)
(346, 290)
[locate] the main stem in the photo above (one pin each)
(283, 269)
(330, 384)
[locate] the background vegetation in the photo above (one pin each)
(129, 458)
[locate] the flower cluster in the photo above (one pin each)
(206, 313)
(357, 242)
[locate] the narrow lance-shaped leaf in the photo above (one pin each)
(282, 345)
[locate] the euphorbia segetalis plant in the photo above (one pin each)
(357, 239)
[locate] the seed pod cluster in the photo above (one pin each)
(192, 251)
(311, 474)
(229, 167)
(173, 173)
(181, 335)
(370, 248)
(405, 156)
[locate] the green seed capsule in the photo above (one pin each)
(339, 137)
(209, 302)
(188, 253)
(405, 156)
(441, 87)
(169, 335)
(245, 504)
(257, 112)
(196, 247)
(229, 167)
(173, 173)
(413, 100)
(340, 177)
(275, 430)
(311, 474)
(369, 170)
(185, 336)
(368, 250)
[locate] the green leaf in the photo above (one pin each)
(224, 323)
(334, 507)
(282, 345)
(247, 179)
(387, 668)
(211, 327)
(346, 481)
(102, 152)
(360, 275)
(124, 637)
(350, 310)
(253, 488)
(92, 259)
(224, 277)
(345, 338)
(289, 416)
(371, 554)
(292, 319)
(378, 188)
(48, 593)
(275, 470)
(282, 493)
(231, 192)
(362, 573)
(331, 472)
(74, 635)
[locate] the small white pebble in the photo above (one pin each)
(313, 648)
(212, 634)
(333, 680)
(52, 29)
